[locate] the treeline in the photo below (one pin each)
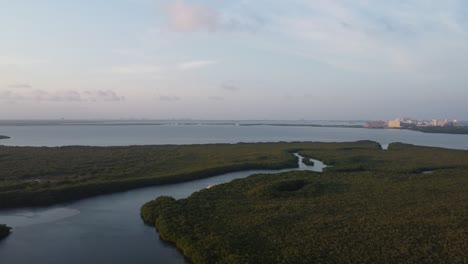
(307, 161)
(36, 176)
(398, 158)
(62, 193)
(41, 176)
(442, 130)
(4, 231)
(306, 217)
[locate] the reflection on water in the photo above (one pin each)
(27, 217)
(427, 172)
(318, 165)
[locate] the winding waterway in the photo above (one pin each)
(103, 229)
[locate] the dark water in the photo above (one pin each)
(104, 229)
(112, 135)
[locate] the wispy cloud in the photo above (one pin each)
(136, 69)
(230, 86)
(216, 98)
(19, 86)
(372, 36)
(190, 17)
(10, 96)
(61, 96)
(196, 64)
(169, 98)
(20, 61)
(184, 16)
(103, 95)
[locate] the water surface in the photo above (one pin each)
(122, 135)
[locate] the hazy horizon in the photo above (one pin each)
(237, 60)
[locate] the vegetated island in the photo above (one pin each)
(371, 206)
(307, 161)
(38, 176)
(4, 231)
(442, 130)
(4, 137)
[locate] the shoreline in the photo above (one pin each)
(459, 130)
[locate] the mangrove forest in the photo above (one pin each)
(370, 206)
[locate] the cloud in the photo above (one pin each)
(10, 96)
(20, 61)
(61, 96)
(103, 95)
(20, 86)
(196, 64)
(369, 37)
(169, 98)
(136, 69)
(216, 98)
(230, 86)
(187, 17)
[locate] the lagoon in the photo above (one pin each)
(197, 133)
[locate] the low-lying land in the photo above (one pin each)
(442, 130)
(371, 206)
(4, 231)
(4, 137)
(34, 176)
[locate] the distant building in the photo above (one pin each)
(375, 124)
(423, 123)
(440, 123)
(408, 120)
(394, 123)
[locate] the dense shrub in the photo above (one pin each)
(372, 206)
(4, 231)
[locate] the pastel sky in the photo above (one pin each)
(236, 59)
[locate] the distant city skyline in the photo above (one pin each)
(233, 60)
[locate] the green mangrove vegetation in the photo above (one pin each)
(4, 231)
(442, 130)
(307, 161)
(372, 206)
(35, 176)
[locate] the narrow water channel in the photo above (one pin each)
(102, 229)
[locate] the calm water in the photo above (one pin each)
(108, 229)
(108, 135)
(104, 229)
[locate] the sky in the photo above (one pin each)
(237, 59)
